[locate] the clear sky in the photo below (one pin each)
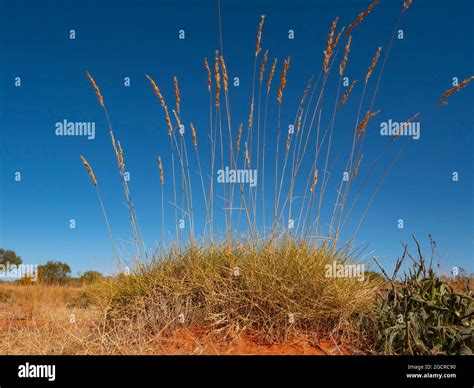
(117, 39)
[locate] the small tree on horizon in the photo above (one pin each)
(89, 277)
(9, 256)
(54, 272)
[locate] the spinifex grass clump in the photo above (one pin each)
(423, 315)
(269, 294)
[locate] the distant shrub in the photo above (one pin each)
(90, 277)
(54, 272)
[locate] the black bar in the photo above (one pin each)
(307, 371)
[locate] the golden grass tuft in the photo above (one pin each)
(271, 283)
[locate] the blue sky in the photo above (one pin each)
(117, 39)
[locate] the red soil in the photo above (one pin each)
(186, 341)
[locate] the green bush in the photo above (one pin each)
(422, 315)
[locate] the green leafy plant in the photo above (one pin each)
(421, 314)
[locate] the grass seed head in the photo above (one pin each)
(89, 170)
(217, 77)
(329, 46)
(286, 65)
(177, 94)
(270, 76)
(239, 136)
(96, 88)
(193, 133)
(160, 166)
(346, 94)
(258, 48)
(342, 66)
(262, 68)
(361, 17)
(454, 89)
(209, 76)
(225, 78)
(373, 64)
